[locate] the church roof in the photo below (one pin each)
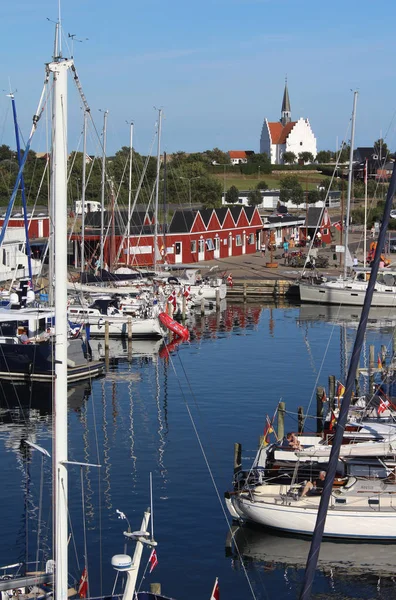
(286, 100)
(280, 132)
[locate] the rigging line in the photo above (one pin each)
(319, 371)
(40, 512)
(206, 460)
(84, 526)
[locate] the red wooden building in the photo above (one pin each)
(318, 220)
(192, 236)
(38, 224)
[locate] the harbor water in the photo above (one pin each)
(178, 416)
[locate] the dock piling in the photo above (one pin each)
(332, 381)
(281, 420)
(319, 409)
(237, 457)
(300, 417)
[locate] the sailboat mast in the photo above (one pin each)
(106, 112)
(25, 220)
(59, 70)
(157, 189)
(129, 189)
(83, 191)
(350, 175)
(365, 213)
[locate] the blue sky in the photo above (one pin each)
(217, 68)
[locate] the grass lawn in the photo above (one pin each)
(308, 180)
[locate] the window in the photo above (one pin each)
(300, 143)
(193, 246)
(238, 240)
(209, 244)
(201, 246)
(325, 232)
(251, 238)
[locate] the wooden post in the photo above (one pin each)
(281, 420)
(300, 418)
(332, 381)
(184, 308)
(203, 306)
(237, 457)
(357, 382)
(217, 300)
(319, 409)
(155, 588)
(244, 291)
(169, 309)
(371, 369)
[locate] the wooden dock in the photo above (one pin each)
(254, 290)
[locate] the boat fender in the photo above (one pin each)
(71, 363)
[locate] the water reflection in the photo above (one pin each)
(261, 549)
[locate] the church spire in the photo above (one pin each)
(286, 110)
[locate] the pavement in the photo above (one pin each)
(253, 266)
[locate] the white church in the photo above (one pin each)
(286, 135)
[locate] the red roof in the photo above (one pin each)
(279, 132)
(237, 154)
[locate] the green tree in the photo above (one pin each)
(289, 158)
(209, 191)
(255, 198)
(306, 157)
(232, 195)
(313, 196)
(262, 185)
(256, 163)
(218, 156)
(343, 154)
(324, 156)
(291, 190)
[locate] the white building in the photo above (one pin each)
(286, 135)
(237, 157)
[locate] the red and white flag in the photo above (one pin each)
(229, 280)
(172, 299)
(383, 405)
(216, 592)
(153, 560)
(187, 292)
(83, 585)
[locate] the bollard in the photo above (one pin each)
(237, 457)
(217, 300)
(332, 381)
(155, 588)
(300, 417)
(281, 420)
(371, 369)
(319, 409)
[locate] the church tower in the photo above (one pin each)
(286, 111)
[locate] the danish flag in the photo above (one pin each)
(229, 280)
(216, 592)
(153, 560)
(83, 585)
(383, 405)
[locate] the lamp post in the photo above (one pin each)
(190, 179)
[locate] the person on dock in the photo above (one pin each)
(263, 249)
(314, 488)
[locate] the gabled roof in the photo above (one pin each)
(237, 153)
(313, 216)
(182, 221)
(138, 224)
(206, 213)
(279, 132)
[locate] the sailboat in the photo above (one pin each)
(362, 506)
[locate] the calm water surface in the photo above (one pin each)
(146, 415)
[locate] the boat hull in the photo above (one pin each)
(324, 294)
(360, 524)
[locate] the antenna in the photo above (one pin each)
(73, 38)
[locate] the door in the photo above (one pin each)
(216, 253)
(230, 244)
(178, 252)
(244, 243)
(201, 249)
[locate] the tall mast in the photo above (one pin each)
(106, 112)
(350, 174)
(157, 188)
(59, 70)
(25, 219)
(84, 185)
(129, 189)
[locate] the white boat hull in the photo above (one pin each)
(346, 294)
(370, 524)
